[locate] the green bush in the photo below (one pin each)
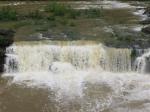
(58, 9)
(7, 13)
(62, 10)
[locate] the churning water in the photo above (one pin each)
(80, 78)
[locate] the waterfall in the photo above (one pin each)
(41, 57)
(92, 75)
(142, 62)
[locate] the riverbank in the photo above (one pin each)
(111, 23)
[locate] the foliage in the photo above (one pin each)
(58, 9)
(7, 13)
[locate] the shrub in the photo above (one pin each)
(58, 9)
(7, 13)
(62, 10)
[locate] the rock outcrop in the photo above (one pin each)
(146, 30)
(147, 11)
(147, 21)
(6, 39)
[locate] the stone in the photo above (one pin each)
(6, 39)
(7, 33)
(146, 30)
(147, 11)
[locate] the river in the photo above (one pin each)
(74, 76)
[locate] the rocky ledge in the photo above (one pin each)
(147, 11)
(146, 30)
(6, 39)
(146, 22)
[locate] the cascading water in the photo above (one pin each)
(25, 58)
(81, 78)
(142, 62)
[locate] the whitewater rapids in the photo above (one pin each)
(83, 78)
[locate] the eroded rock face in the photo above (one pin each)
(6, 32)
(6, 38)
(147, 11)
(146, 30)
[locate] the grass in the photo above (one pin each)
(52, 12)
(8, 14)
(61, 19)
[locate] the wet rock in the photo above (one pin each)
(145, 22)
(7, 33)
(48, 35)
(147, 11)
(6, 38)
(146, 30)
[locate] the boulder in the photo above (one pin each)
(147, 11)
(146, 30)
(7, 33)
(6, 39)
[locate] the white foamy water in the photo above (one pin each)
(138, 28)
(13, 4)
(40, 57)
(143, 62)
(93, 77)
(141, 14)
(105, 4)
(94, 89)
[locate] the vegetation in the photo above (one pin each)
(41, 19)
(53, 11)
(61, 21)
(7, 14)
(62, 10)
(4, 41)
(57, 9)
